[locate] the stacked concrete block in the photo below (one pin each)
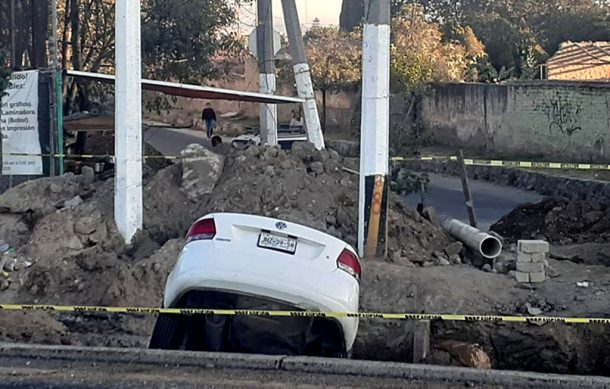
(531, 260)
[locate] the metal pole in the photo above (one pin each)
(467, 196)
(128, 120)
(266, 70)
(13, 28)
(53, 131)
(302, 74)
(374, 138)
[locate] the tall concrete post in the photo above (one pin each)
(302, 74)
(266, 70)
(128, 120)
(375, 130)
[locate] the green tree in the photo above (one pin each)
(179, 39)
(335, 58)
(5, 74)
(517, 34)
(419, 54)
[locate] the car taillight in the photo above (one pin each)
(349, 263)
(201, 230)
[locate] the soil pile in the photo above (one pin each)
(558, 221)
(68, 251)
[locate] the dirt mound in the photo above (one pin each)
(63, 229)
(558, 221)
(310, 187)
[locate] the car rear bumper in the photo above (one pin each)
(300, 286)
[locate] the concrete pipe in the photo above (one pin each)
(485, 244)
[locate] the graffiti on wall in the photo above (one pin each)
(563, 114)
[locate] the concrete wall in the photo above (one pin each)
(553, 120)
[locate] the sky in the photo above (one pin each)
(327, 11)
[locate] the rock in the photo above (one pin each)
(428, 264)
(201, 169)
(55, 188)
(430, 214)
(593, 216)
(4, 284)
(487, 268)
(418, 259)
(443, 262)
(317, 167)
(287, 164)
(454, 248)
(532, 310)
(252, 151)
(41, 197)
(344, 147)
(269, 171)
(455, 259)
(551, 271)
(271, 152)
(504, 263)
(469, 355)
(303, 150)
(9, 266)
(343, 218)
(13, 230)
(73, 203)
(87, 175)
(438, 255)
(156, 267)
(85, 225)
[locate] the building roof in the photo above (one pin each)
(575, 57)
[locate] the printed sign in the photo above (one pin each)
(19, 126)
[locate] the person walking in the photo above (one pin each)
(209, 117)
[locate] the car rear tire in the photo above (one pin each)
(168, 332)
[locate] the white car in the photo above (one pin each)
(237, 261)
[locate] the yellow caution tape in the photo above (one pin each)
(508, 163)
(100, 156)
(430, 158)
(359, 315)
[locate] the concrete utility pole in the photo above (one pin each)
(128, 120)
(266, 70)
(302, 74)
(375, 130)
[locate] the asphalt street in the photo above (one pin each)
(491, 201)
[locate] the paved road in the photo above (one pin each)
(491, 201)
(30, 366)
(170, 141)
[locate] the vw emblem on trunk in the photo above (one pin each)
(281, 225)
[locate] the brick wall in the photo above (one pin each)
(550, 120)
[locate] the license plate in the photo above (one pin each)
(278, 243)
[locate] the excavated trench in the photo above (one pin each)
(71, 253)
